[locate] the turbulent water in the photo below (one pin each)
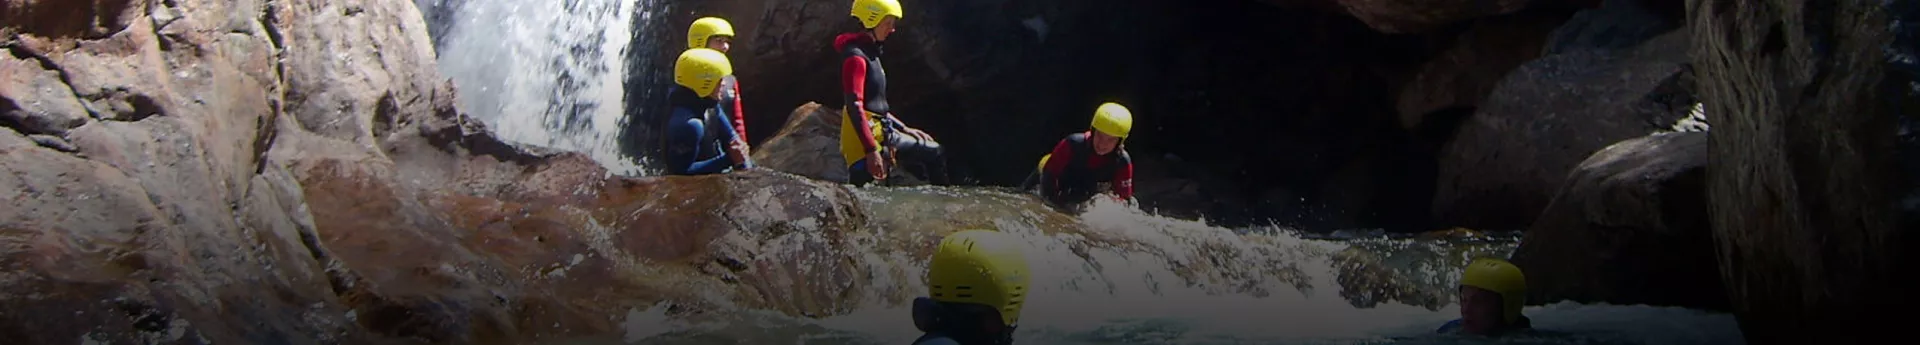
(549, 73)
(1154, 280)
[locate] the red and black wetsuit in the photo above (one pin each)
(863, 86)
(1075, 172)
(730, 100)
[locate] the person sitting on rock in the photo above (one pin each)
(976, 283)
(717, 34)
(1492, 291)
(878, 140)
(1087, 163)
(700, 141)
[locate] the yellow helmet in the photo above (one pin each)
(1043, 162)
(981, 267)
(870, 12)
(1500, 277)
(1113, 119)
(705, 28)
(701, 69)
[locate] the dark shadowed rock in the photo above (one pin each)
(1477, 60)
(1414, 16)
(1803, 180)
(1504, 162)
(1629, 226)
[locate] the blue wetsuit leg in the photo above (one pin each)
(687, 145)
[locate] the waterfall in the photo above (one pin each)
(543, 73)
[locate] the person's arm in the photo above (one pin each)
(729, 136)
(853, 81)
(1050, 176)
(686, 134)
(737, 110)
(1123, 177)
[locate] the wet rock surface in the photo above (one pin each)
(1629, 226)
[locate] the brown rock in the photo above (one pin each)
(332, 48)
(1629, 226)
(35, 101)
(808, 145)
(68, 18)
(1503, 164)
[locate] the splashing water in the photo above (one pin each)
(1127, 277)
(545, 73)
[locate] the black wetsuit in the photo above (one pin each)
(864, 88)
(1075, 172)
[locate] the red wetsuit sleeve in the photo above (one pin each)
(1123, 180)
(853, 81)
(1056, 165)
(739, 113)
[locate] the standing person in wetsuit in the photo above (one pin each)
(976, 283)
(700, 141)
(1083, 161)
(1492, 291)
(872, 139)
(717, 34)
